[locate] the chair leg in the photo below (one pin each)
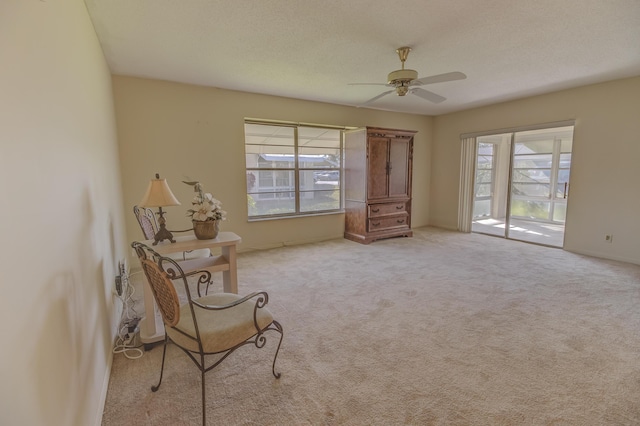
(204, 406)
(273, 366)
(164, 352)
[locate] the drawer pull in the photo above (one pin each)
(375, 210)
(375, 224)
(400, 221)
(400, 207)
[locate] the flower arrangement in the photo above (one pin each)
(204, 208)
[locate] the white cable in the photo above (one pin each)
(129, 314)
(124, 349)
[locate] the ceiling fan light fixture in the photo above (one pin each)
(402, 90)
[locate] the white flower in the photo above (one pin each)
(204, 206)
(203, 212)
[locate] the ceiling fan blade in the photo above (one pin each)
(430, 96)
(375, 98)
(439, 78)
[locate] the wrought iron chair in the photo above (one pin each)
(214, 324)
(149, 225)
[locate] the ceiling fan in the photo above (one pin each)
(406, 81)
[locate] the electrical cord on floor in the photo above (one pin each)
(125, 348)
(128, 322)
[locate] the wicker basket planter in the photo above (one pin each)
(206, 230)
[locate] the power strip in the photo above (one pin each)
(122, 279)
(129, 339)
(132, 325)
(119, 285)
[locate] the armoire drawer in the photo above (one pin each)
(389, 222)
(387, 209)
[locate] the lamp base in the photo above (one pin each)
(163, 234)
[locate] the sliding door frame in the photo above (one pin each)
(467, 170)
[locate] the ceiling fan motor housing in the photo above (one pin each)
(402, 76)
(401, 79)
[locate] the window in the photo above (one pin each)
(292, 169)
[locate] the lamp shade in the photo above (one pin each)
(158, 194)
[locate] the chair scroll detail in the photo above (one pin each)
(213, 324)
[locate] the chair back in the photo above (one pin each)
(147, 221)
(159, 272)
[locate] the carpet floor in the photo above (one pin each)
(443, 328)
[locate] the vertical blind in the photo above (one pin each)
(465, 203)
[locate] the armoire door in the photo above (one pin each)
(398, 168)
(378, 155)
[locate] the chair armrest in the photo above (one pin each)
(260, 303)
(204, 278)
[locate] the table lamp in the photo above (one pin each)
(159, 195)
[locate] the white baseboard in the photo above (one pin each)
(289, 243)
(604, 256)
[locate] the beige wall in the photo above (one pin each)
(192, 132)
(61, 219)
(605, 171)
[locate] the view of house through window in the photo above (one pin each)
(292, 169)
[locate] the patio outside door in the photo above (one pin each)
(522, 185)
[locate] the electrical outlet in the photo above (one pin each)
(608, 238)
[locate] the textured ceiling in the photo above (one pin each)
(313, 49)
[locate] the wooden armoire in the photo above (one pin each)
(378, 169)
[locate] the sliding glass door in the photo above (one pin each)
(522, 184)
(540, 185)
(491, 184)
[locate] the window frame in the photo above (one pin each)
(295, 171)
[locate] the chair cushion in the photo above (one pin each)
(219, 330)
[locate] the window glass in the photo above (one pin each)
(292, 170)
